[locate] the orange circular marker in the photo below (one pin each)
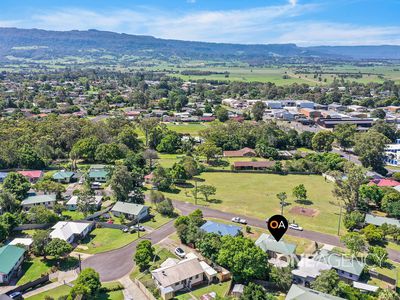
(277, 226)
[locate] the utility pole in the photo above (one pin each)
(340, 220)
(80, 263)
(138, 231)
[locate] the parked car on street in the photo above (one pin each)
(295, 227)
(239, 220)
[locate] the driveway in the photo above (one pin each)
(115, 264)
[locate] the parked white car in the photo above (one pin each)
(295, 227)
(239, 220)
(180, 252)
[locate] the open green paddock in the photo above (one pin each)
(254, 195)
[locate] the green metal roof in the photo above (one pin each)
(298, 292)
(128, 208)
(268, 243)
(98, 174)
(379, 221)
(9, 256)
(339, 262)
(63, 175)
(39, 199)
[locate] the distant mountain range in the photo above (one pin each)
(34, 44)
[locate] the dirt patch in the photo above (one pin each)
(304, 211)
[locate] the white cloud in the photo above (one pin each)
(270, 24)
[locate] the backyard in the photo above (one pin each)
(254, 195)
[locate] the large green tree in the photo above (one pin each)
(243, 258)
(17, 184)
(370, 148)
(323, 140)
(344, 135)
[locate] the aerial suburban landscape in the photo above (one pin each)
(155, 156)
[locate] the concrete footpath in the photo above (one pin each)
(131, 291)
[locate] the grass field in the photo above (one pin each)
(106, 239)
(187, 128)
(74, 215)
(275, 74)
(255, 195)
(168, 160)
(64, 291)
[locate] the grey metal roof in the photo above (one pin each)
(129, 208)
(39, 199)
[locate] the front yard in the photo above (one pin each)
(36, 267)
(106, 239)
(64, 290)
(255, 195)
(221, 289)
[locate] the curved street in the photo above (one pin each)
(115, 264)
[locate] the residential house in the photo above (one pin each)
(98, 173)
(64, 177)
(253, 165)
(348, 269)
(72, 204)
(384, 182)
(25, 242)
(308, 270)
(32, 176)
(221, 229)
(71, 231)
(174, 276)
(131, 211)
(298, 292)
(3, 176)
(281, 253)
(379, 221)
(11, 258)
(46, 200)
(245, 152)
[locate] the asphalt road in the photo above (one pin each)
(115, 264)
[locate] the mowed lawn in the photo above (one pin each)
(64, 290)
(106, 239)
(255, 195)
(187, 128)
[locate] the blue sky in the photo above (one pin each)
(304, 22)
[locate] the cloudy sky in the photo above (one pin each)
(304, 22)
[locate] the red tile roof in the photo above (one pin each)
(385, 182)
(31, 174)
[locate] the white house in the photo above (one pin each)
(308, 270)
(70, 231)
(45, 200)
(72, 204)
(175, 275)
(131, 211)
